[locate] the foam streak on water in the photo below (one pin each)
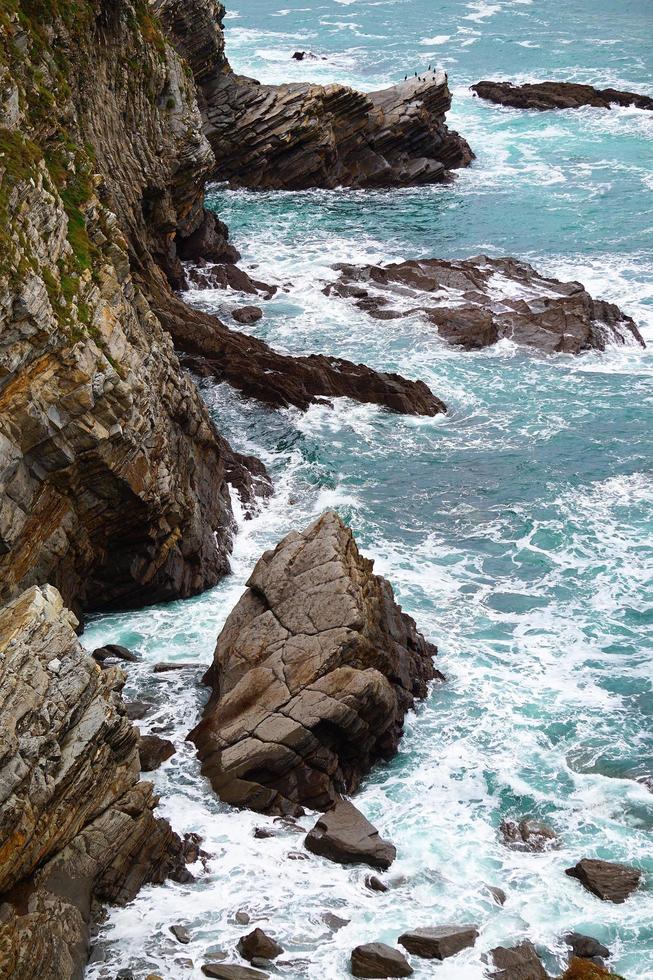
(517, 530)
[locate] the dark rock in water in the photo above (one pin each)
(153, 750)
(475, 302)
(558, 95)
(231, 971)
(247, 314)
(258, 944)
(228, 276)
(375, 884)
(517, 963)
(313, 674)
(334, 922)
(242, 918)
(439, 942)
(125, 975)
(181, 934)
(208, 242)
(135, 710)
(263, 833)
(114, 650)
(586, 947)
(607, 880)
(166, 668)
(379, 960)
(344, 835)
(497, 894)
(528, 835)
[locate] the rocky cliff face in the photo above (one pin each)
(76, 826)
(313, 674)
(302, 135)
(113, 480)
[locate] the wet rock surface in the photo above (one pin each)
(258, 945)
(77, 828)
(439, 942)
(558, 95)
(475, 302)
(528, 835)
(517, 963)
(313, 673)
(153, 751)
(609, 881)
(379, 960)
(344, 835)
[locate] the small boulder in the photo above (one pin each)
(113, 651)
(263, 833)
(258, 945)
(497, 894)
(334, 922)
(247, 314)
(231, 971)
(517, 963)
(242, 917)
(375, 884)
(528, 835)
(135, 710)
(344, 835)
(154, 750)
(181, 934)
(586, 947)
(439, 942)
(379, 960)
(608, 880)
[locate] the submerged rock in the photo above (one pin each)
(259, 945)
(475, 302)
(517, 963)
(558, 95)
(153, 751)
(77, 828)
(608, 880)
(528, 835)
(313, 674)
(344, 835)
(439, 942)
(379, 960)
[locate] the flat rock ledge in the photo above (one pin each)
(379, 960)
(439, 942)
(313, 674)
(557, 95)
(608, 880)
(77, 828)
(344, 835)
(475, 302)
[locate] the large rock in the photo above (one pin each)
(439, 942)
(558, 95)
(313, 674)
(305, 135)
(517, 963)
(473, 303)
(607, 880)
(344, 835)
(379, 960)
(76, 826)
(259, 944)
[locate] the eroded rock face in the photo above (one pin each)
(313, 674)
(303, 135)
(76, 826)
(475, 302)
(558, 95)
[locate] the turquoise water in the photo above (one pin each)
(517, 530)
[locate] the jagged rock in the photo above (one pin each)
(528, 835)
(304, 135)
(115, 651)
(247, 314)
(379, 960)
(607, 880)
(475, 302)
(313, 673)
(259, 945)
(181, 934)
(209, 242)
(231, 971)
(76, 826)
(154, 750)
(344, 835)
(439, 942)
(586, 947)
(517, 963)
(558, 95)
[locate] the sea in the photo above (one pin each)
(517, 530)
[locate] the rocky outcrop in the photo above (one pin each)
(608, 880)
(558, 95)
(473, 303)
(439, 942)
(76, 826)
(344, 835)
(303, 135)
(313, 674)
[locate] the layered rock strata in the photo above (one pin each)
(473, 303)
(558, 95)
(76, 826)
(313, 674)
(302, 135)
